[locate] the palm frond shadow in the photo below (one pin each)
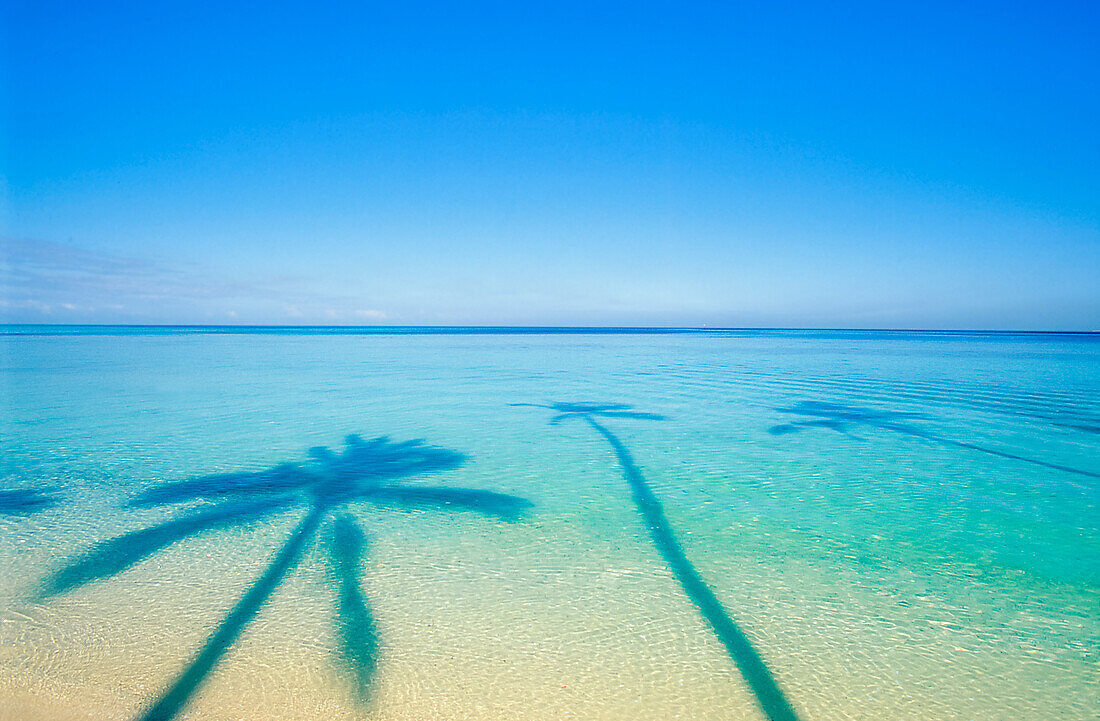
(366, 471)
(844, 419)
(738, 647)
(115, 555)
(356, 629)
(27, 501)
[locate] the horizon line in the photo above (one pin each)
(625, 330)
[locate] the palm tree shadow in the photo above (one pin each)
(356, 630)
(843, 418)
(366, 471)
(179, 693)
(738, 647)
(27, 501)
(113, 556)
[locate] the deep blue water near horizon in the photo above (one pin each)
(138, 329)
(900, 524)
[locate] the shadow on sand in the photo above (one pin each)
(366, 471)
(843, 419)
(759, 678)
(26, 501)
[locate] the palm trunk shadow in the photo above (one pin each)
(839, 417)
(356, 630)
(991, 451)
(740, 649)
(179, 693)
(27, 501)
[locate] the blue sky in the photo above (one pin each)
(928, 165)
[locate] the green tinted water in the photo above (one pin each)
(900, 525)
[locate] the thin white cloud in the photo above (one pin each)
(42, 281)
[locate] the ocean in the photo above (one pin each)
(409, 524)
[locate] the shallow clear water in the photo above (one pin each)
(901, 526)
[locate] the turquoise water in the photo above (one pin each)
(707, 525)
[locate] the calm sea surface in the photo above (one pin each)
(694, 525)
